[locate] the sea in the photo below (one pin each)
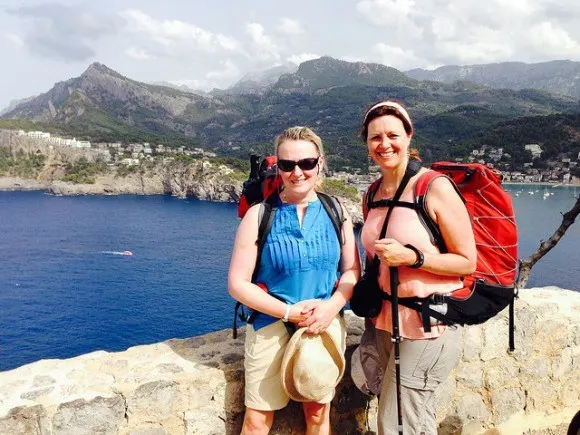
(86, 273)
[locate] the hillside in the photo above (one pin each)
(327, 94)
(558, 77)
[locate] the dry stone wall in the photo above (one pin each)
(195, 385)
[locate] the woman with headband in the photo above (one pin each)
(426, 358)
(298, 268)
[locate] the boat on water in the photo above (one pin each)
(127, 253)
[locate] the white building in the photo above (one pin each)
(38, 135)
(535, 149)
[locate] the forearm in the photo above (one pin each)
(447, 264)
(343, 292)
(257, 299)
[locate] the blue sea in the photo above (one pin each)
(68, 288)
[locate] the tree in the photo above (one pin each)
(526, 265)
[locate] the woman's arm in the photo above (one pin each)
(242, 266)
(447, 209)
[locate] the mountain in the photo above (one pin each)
(103, 104)
(257, 82)
(326, 72)
(327, 94)
(183, 88)
(14, 103)
(559, 76)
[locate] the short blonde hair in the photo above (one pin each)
(299, 133)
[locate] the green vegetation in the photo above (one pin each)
(235, 163)
(334, 186)
(21, 164)
(125, 170)
(82, 171)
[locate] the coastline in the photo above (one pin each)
(60, 187)
(540, 183)
(16, 183)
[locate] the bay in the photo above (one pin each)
(67, 289)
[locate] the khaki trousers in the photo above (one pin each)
(424, 365)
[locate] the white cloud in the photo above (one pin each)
(15, 39)
(394, 15)
(291, 27)
(176, 36)
(138, 53)
(440, 32)
(302, 57)
(395, 57)
(229, 72)
(545, 36)
(264, 46)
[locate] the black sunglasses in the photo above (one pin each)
(304, 164)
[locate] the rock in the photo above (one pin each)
(506, 403)
(471, 407)
(25, 420)
(157, 400)
(102, 415)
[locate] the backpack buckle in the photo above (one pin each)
(437, 299)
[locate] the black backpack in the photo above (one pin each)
(268, 208)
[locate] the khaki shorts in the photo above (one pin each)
(264, 350)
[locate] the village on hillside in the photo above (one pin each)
(117, 153)
(132, 154)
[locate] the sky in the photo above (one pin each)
(205, 44)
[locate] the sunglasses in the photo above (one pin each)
(304, 164)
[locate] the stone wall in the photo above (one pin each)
(195, 386)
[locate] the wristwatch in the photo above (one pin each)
(420, 257)
(287, 313)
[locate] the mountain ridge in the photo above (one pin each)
(327, 94)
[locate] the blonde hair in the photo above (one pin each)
(301, 133)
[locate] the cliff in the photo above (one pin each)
(196, 178)
(195, 386)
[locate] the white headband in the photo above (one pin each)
(394, 105)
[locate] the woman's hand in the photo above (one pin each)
(392, 253)
(302, 310)
(321, 316)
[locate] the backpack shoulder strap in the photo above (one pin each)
(268, 208)
(368, 197)
(421, 189)
(335, 212)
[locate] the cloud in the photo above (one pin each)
(138, 53)
(395, 56)
(410, 33)
(229, 72)
(15, 39)
(264, 46)
(218, 78)
(64, 32)
(290, 27)
(302, 57)
(176, 36)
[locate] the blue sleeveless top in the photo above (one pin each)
(299, 263)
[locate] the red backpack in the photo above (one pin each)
(262, 182)
(491, 288)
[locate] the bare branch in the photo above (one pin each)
(526, 265)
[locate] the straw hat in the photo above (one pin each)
(313, 365)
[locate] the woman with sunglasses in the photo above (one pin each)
(426, 358)
(298, 268)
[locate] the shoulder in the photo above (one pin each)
(253, 214)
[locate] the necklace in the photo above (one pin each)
(310, 198)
